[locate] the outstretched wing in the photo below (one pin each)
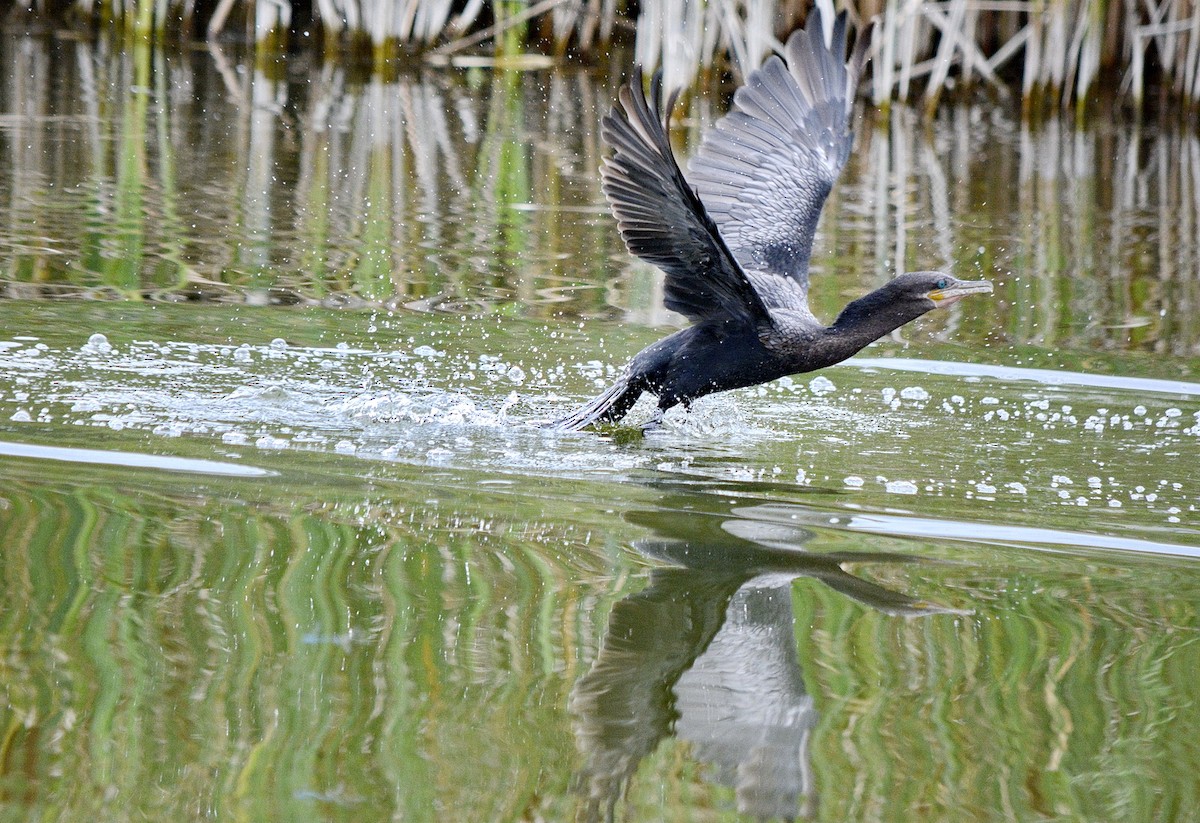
(764, 170)
(661, 219)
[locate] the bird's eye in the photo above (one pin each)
(943, 283)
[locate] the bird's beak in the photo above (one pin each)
(950, 296)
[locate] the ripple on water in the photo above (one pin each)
(1008, 436)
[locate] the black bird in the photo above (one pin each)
(735, 239)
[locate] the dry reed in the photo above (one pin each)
(1055, 51)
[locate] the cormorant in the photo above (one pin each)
(734, 240)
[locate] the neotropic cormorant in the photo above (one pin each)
(735, 239)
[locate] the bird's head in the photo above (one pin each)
(937, 289)
(903, 299)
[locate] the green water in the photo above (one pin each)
(280, 541)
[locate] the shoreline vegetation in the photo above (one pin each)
(1047, 53)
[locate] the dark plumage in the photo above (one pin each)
(735, 239)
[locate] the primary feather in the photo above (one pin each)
(659, 216)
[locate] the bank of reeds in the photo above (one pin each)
(1047, 51)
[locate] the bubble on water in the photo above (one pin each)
(516, 374)
(243, 354)
(853, 481)
(97, 344)
(985, 488)
(914, 393)
(989, 401)
(821, 385)
(279, 344)
(1113, 503)
(1139, 410)
(1173, 412)
(427, 351)
(270, 442)
(235, 438)
(900, 487)
(345, 447)
(801, 476)
(21, 416)
(1015, 488)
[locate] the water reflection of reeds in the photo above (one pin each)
(1036, 686)
(264, 664)
(199, 178)
(343, 652)
(1091, 232)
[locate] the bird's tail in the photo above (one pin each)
(611, 405)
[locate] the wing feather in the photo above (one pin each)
(660, 217)
(764, 170)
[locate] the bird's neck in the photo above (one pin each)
(867, 319)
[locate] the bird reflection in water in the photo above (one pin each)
(707, 652)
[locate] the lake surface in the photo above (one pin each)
(279, 539)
